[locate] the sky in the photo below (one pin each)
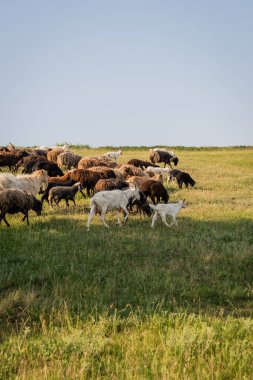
(171, 72)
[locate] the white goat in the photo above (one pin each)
(114, 155)
(112, 200)
(163, 210)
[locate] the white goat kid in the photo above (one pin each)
(114, 155)
(163, 210)
(112, 200)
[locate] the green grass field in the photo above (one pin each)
(135, 302)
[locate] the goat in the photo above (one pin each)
(163, 210)
(56, 194)
(112, 200)
(113, 155)
(13, 201)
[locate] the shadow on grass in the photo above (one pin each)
(199, 266)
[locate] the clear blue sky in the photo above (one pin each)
(129, 72)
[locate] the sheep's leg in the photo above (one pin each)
(67, 203)
(154, 219)
(153, 199)
(92, 213)
(73, 200)
(102, 217)
(4, 219)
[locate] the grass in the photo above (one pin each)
(131, 302)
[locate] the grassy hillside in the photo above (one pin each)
(131, 302)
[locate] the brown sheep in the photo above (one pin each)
(140, 163)
(13, 201)
(11, 159)
(155, 190)
(110, 184)
(129, 170)
(68, 160)
(63, 179)
(54, 153)
(87, 178)
(105, 171)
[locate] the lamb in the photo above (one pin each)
(182, 177)
(110, 184)
(56, 194)
(112, 200)
(68, 160)
(163, 210)
(13, 201)
(45, 194)
(155, 190)
(113, 155)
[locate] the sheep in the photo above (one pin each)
(54, 153)
(137, 181)
(155, 190)
(13, 201)
(56, 194)
(140, 163)
(112, 200)
(68, 160)
(104, 171)
(52, 169)
(61, 180)
(87, 178)
(129, 170)
(31, 183)
(28, 162)
(163, 156)
(110, 184)
(45, 194)
(113, 155)
(182, 177)
(163, 210)
(10, 159)
(88, 162)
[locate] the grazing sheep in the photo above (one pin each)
(104, 171)
(61, 180)
(163, 210)
(110, 184)
(112, 200)
(129, 170)
(28, 162)
(155, 190)
(137, 181)
(88, 162)
(13, 201)
(182, 177)
(56, 194)
(68, 160)
(163, 156)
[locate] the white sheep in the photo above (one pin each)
(112, 200)
(114, 155)
(163, 210)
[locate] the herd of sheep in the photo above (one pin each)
(58, 174)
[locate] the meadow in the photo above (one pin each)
(133, 302)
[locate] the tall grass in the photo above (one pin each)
(131, 302)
